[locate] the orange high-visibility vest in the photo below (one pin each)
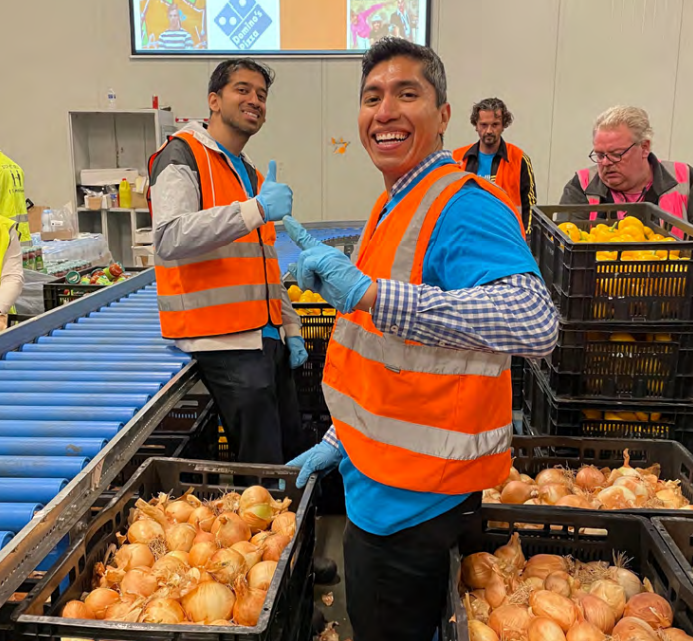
(236, 288)
(411, 416)
(508, 176)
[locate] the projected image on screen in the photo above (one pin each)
(273, 27)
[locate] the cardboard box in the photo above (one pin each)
(35, 217)
(63, 234)
(139, 201)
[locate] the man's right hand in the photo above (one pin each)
(276, 200)
(322, 457)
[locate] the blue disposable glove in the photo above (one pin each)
(276, 199)
(322, 457)
(297, 351)
(326, 270)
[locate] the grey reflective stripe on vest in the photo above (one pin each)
(421, 439)
(232, 250)
(683, 188)
(218, 296)
(403, 263)
(396, 355)
(22, 218)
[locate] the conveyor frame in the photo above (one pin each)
(70, 507)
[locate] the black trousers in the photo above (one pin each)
(256, 397)
(396, 585)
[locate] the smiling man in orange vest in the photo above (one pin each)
(417, 376)
(501, 162)
(219, 286)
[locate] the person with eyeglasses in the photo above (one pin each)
(626, 170)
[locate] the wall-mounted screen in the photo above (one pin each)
(273, 27)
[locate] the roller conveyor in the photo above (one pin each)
(81, 389)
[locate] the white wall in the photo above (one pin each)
(557, 63)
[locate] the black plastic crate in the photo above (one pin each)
(531, 454)
(156, 446)
(677, 533)
(60, 292)
(622, 361)
(289, 598)
(564, 533)
(182, 419)
(308, 380)
(517, 365)
(317, 321)
(545, 413)
(586, 289)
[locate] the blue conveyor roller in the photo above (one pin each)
(35, 364)
(39, 490)
(105, 379)
(14, 516)
(63, 413)
(5, 538)
(70, 385)
(95, 350)
(74, 400)
(95, 357)
(60, 429)
(32, 446)
(60, 467)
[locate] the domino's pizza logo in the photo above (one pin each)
(243, 22)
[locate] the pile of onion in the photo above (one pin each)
(183, 561)
(553, 598)
(592, 488)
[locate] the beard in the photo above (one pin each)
(244, 128)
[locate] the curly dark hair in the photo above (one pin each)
(491, 104)
(222, 74)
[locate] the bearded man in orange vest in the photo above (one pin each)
(220, 292)
(501, 162)
(417, 378)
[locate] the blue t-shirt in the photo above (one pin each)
(485, 164)
(268, 331)
(466, 250)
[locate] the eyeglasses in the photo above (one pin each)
(613, 156)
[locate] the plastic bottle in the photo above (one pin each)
(46, 218)
(111, 98)
(125, 194)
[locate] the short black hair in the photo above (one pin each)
(389, 48)
(494, 105)
(222, 74)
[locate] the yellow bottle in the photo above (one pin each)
(125, 194)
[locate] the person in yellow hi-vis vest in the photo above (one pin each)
(11, 272)
(12, 199)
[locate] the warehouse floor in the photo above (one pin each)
(329, 544)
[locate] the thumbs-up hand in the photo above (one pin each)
(275, 199)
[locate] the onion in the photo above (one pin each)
(555, 607)
(477, 569)
(180, 537)
(627, 580)
(258, 517)
(542, 565)
(200, 553)
(513, 475)
(202, 518)
(551, 493)
(260, 538)
(674, 634)
(517, 492)
(251, 553)
(510, 554)
(135, 555)
(249, 601)
(273, 546)
(590, 478)
(526, 478)
(551, 476)
(126, 611)
(651, 608)
(256, 495)
(480, 607)
(597, 611)
(559, 583)
(573, 500)
(510, 622)
(611, 592)
(183, 557)
(138, 582)
(77, 610)
(226, 565)
(220, 622)
(534, 582)
(635, 485)
(632, 629)
(208, 602)
(204, 537)
(229, 528)
(495, 591)
(585, 631)
(98, 600)
(542, 629)
(179, 511)
(479, 631)
(617, 497)
(285, 524)
(672, 500)
(169, 565)
(145, 531)
(165, 611)
(260, 575)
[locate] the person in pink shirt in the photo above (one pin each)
(360, 28)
